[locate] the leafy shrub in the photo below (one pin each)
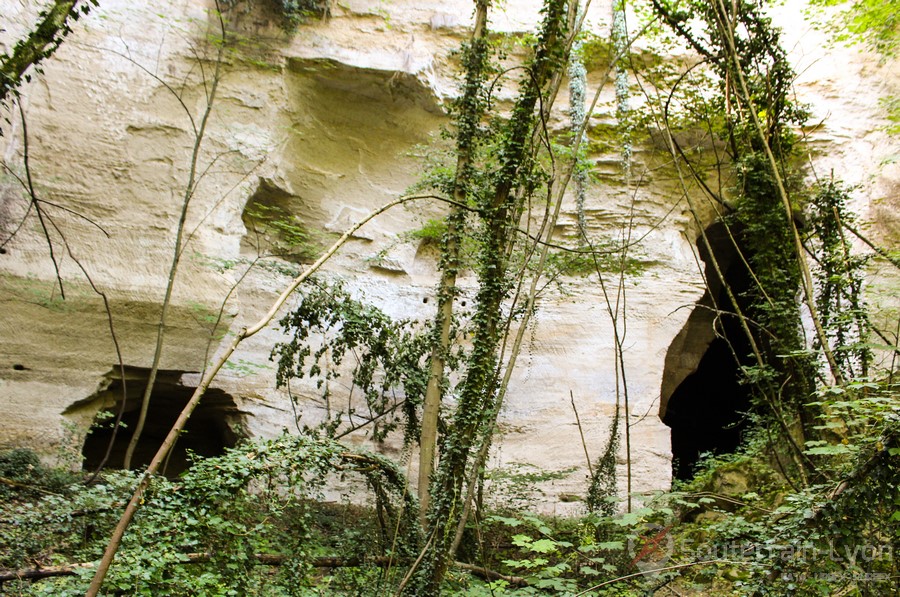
(244, 523)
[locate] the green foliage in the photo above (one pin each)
(297, 11)
(24, 475)
(602, 492)
(508, 180)
(839, 276)
(293, 12)
(434, 233)
(849, 413)
(754, 120)
(243, 367)
(874, 22)
(45, 294)
(759, 534)
(54, 24)
(388, 355)
(603, 257)
(731, 526)
(511, 488)
(573, 555)
(594, 51)
(282, 233)
(204, 533)
(431, 232)
(826, 539)
(19, 465)
(891, 105)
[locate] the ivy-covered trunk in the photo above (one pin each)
(743, 48)
(499, 209)
(469, 112)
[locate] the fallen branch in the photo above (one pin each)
(880, 250)
(46, 572)
(859, 474)
(263, 559)
(658, 570)
(25, 486)
(488, 574)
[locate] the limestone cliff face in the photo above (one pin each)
(327, 123)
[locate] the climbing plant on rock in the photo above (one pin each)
(839, 277)
(244, 523)
(758, 120)
(41, 43)
(507, 184)
(330, 325)
(468, 112)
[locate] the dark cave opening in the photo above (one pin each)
(703, 401)
(707, 411)
(214, 425)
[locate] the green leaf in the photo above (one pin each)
(521, 540)
(543, 546)
(510, 522)
(831, 450)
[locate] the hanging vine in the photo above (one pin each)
(510, 180)
(468, 111)
(742, 48)
(330, 325)
(839, 279)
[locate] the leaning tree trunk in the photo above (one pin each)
(40, 44)
(499, 211)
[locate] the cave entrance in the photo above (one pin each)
(214, 426)
(701, 398)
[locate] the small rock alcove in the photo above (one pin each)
(214, 426)
(701, 398)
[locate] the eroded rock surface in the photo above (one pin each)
(327, 124)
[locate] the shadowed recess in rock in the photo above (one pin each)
(702, 399)
(215, 425)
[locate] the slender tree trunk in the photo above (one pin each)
(479, 387)
(471, 105)
(190, 187)
(557, 188)
(806, 281)
(208, 377)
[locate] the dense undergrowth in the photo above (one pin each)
(256, 521)
(809, 504)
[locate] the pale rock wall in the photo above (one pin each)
(328, 123)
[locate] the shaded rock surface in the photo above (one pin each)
(324, 125)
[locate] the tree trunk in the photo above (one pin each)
(39, 44)
(500, 212)
(471, 111)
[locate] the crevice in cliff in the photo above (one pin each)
(272, 228)
(701, 398)
(216, 424)
(399, 85)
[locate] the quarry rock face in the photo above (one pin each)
(326, 123)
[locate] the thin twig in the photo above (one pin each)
(34, 200)
(587, 456)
